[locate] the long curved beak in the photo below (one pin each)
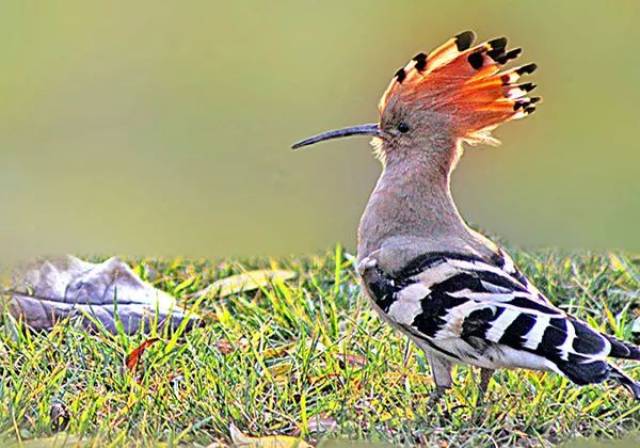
(363, 129)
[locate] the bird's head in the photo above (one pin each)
(458, 92)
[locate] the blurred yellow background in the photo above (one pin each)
(163, 128)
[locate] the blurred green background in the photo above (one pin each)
(163, 128)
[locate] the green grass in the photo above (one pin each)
(307, 348)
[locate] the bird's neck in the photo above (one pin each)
(411, 202)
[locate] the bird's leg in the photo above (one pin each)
(441, 371)
(485, 377)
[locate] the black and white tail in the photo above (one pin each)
(589, 365)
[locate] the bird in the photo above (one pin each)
(456, 294)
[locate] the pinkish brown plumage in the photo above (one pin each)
(452, 291)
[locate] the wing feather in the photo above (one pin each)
(450, 299)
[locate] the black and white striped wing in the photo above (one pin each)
(488, 314)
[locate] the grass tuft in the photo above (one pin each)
(306, 357)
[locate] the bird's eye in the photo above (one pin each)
(403, 127)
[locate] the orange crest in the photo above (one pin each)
(467, 84)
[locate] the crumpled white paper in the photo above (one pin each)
(67, 287)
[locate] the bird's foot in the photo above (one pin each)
(483, 385)
(437, 395)
(437, 398)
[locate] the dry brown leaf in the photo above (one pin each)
(353, 360)
(133, 358)
(316, 380)
(281, 373)
(60, 440)
(242, 440)
(322, 423)
(275, 352)
(225, 347)
(244, 282)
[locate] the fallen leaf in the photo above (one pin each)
(107, 295)
(218, 445)
(275, 352)
(225, 347)
(247, 281)
(60, 440)
(352, 360)
(133, 358)
(281, 373)
(322, 423)
(242, 440)
(315, 380)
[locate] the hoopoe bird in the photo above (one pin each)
(452, 291)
